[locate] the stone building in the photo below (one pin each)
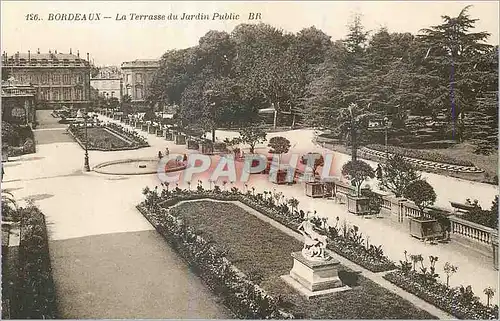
(137, 77)
(108, 83)
(18, 103)
(60, 79)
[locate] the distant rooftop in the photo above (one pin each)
(152, 63)
(34, 59)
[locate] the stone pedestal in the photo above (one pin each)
(314, 278)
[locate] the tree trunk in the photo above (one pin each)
(213, 135)
(354, 143)
(293, 121)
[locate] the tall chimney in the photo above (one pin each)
(29, 56)
(55, 51)
(38, 51)
(78, 53)
(70, 51)
(88, 58)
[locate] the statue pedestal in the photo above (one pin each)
(314, 278)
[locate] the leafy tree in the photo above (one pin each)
(319, 160)
(252, 136)
(149, 115)
(398, 174)
(126, 104)
(279, 145)
(421, 193)
(452, 48)
(113, 102)
(10, 134)
(490, 292)
(357, 172)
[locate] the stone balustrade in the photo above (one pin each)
(471, 230)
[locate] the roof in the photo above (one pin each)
(142, 63)
(28, 59)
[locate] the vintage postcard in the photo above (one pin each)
(249, 160)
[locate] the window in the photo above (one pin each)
(56, 94)
(138, 77)
(79, 79)
(56, 78)
(129, 78)
(112, 94)
(67, 93)
(138, 93)
(66, 79)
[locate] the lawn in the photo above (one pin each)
(461, 151)
(264, 254)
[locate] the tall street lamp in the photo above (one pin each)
(86, 165)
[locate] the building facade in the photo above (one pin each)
(18, 103)
(108, 83)
(137, 77)
(60, 80)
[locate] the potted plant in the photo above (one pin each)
(357, 172)
(207, 147)
(193, 144)
(313, 187)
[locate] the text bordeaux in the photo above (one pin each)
(75, 16)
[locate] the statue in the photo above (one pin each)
(314, 243)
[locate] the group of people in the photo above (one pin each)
(167, 152)
(183, 159)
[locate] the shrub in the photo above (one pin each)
(460, 302)
(357, 172)
(36, 292)
(397, 174)
(421, 193)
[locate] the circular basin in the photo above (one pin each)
(135, 167)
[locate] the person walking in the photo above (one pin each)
(167, 151)
(160, 156)
(379, 172)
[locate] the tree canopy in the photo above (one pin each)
(446, 70)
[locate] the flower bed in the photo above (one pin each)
(129, 134)
(242, 296)
(460, 303)
(421, 154)
(345, 240)
(36, 291)
(111, 137)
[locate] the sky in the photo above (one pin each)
(111, 42)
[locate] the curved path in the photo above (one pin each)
(107, 260)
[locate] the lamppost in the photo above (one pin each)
(386, 123)
(86, 166)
